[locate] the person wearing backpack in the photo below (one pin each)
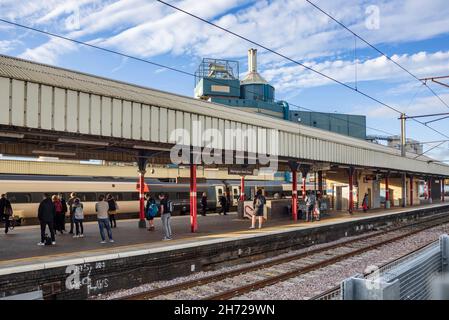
(78, 218)
(113, 207)
(258, 204)
(5, 211)
(151, 210)
(166, 208)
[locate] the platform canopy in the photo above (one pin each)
(46, 110)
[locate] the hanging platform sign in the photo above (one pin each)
(241, 171)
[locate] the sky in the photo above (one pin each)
(414, 35)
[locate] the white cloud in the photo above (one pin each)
(49, 52)
(8, 45)
(422, 64)
(292, 27)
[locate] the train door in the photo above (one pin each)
(219, 191)
(260, 188)
(235, 195)
(338, 198)
(369, 198)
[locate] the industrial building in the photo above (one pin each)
(218, 81)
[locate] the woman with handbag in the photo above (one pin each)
(5, 211)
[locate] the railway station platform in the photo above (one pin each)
(140, 256)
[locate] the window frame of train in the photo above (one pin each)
(12, 197)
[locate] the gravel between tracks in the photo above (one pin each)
(307, 285)
(315, 282)
(202, 274)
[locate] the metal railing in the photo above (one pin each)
(411, 277)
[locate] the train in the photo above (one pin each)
(26, 191)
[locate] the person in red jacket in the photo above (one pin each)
(60, 215)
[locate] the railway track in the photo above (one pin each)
(237, 282)
(335, 292)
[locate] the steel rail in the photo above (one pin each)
(298, 271)
(336, 290)
(217, 277)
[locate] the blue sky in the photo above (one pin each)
(415, 35)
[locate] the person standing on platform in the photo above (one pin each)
(310, 203)
(113, 207)
(150, 211)
(228, 200)
(204, 204)
(78, 218)
(365, 203)
(5, 211)
(46, 215)
(165, 209)
(64, 209)
(258, 205)
(59, 213)
(223, 203)
(70, 203)
(102, 208)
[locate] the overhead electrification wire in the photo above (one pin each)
(137, 59)
(93, 46)
(282, 56)
(295, 62)
(377, 49)
(303, 65)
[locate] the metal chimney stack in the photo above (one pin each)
(252, 60)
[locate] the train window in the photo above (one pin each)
(183, 195)
(134, 196)
(88, 196)
(118, 196)
(19, 197)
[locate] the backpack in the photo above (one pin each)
(260, 201)
(8, 211)
(47, 240)
(152, 211)
(170, 206)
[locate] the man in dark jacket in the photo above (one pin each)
(46, 215)
(224, 204)
(204, 204)
(4, 205)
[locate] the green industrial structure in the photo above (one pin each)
(217, 80)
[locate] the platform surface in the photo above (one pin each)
(19, 250)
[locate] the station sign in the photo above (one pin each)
(145, 188)
(241, 171)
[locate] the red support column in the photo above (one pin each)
(387, 193)
(429, 189)
(351, 195)
(242, 188)
(142, 198)
(411, 190)
(442, 189)
(193, 202)
(320, 183)
(295, 195)
(303, 188)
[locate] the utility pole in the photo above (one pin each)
(403, 154)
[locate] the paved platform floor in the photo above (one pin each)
(19, 247)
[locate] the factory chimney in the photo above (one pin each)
(253, 77)
(252, 60)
